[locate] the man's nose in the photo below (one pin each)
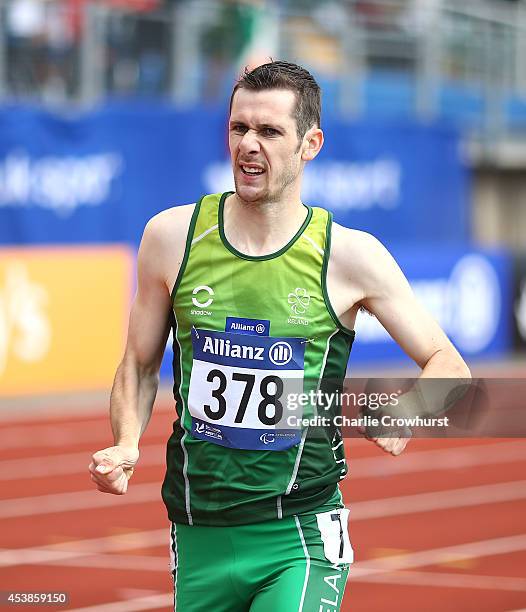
(249, 142)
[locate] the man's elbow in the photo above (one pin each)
(459, 368)
(466, 372)
(448, 363)
(146, 370)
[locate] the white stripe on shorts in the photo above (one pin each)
(307, 566)
(174, 558)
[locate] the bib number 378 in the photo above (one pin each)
(238, 389)
(269, 409)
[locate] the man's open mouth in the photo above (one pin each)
(251, 171)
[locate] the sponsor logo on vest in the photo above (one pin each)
(242, 327)
(280, 353)
(219, 346)
(196, 302)
(251, 327)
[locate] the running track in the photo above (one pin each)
(442, 527)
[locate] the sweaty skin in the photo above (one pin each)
(262, 216)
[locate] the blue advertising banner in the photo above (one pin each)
(469, 293)
(100, 176)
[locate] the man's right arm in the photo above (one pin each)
(137, 377)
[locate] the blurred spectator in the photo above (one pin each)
(59, 80)
(242, 35)
(262, 41)
(375, 15)
(26, 38)
(140, 47)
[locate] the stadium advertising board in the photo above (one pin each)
(99, 177)
(467, 292)
(63, 316)
(519, 302)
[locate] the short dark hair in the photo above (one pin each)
(285, 75)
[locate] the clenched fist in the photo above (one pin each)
(393, 445)
(112, 467)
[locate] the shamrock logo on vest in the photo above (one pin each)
(299, 301)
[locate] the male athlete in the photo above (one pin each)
(261, 292)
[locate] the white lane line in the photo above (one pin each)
(438, 500)
(360, 511)
(90, 553)
(461, 581)
(144, 563)
(61, 434)
(78, 500)
(52, 553)
(66, 433)
(140, 563)
(447, 554)
(438, 459)
(69, 463)
(364, 467)
(151, 602)
(437, 579)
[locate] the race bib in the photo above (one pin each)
(238, 388)
(335, 535)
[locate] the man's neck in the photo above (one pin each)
(262, 228)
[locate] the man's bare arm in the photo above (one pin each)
(374, 280)
(388, 296)
(137, 378)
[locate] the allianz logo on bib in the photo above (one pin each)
(248, 350)
(280, 353)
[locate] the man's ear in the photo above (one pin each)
(312, 143)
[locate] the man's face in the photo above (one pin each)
(264, 146)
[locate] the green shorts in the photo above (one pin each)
(298, 563)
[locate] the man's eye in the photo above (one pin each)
(270, 132)
(239, 129)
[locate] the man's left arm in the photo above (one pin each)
(389, 297)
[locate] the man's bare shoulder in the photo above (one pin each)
(163, 243)
(171, 224)
(362, 260)
(354, 247)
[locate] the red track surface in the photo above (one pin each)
(442, 527)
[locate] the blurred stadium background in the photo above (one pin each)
(113, 110)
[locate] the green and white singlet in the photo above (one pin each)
(248, 331)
